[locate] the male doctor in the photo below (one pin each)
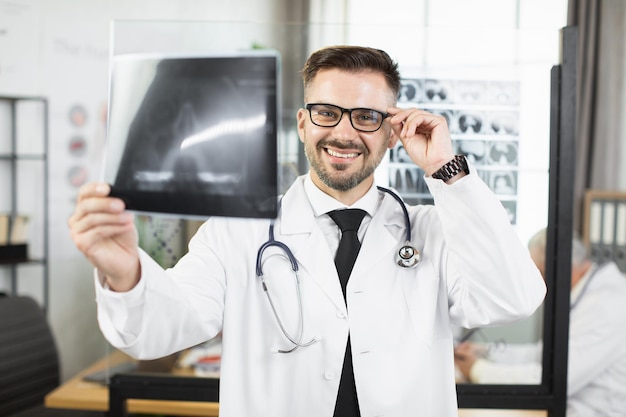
(384, 348)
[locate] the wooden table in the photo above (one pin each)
(501, 413)
(82, 395)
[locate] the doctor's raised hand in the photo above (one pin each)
(425, 137)
(105, 233)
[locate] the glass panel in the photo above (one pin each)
(493, 87)
(496, 121)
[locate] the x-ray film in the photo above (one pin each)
(195, 135)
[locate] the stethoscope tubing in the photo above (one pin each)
(405, 212)
(297, 341)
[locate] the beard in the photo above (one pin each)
(336, 176)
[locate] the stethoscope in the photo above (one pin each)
(406, 257)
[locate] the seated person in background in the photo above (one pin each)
(596, 382)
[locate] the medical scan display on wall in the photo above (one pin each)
(483, 117)
(194, 135)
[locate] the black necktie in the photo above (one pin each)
(349, 220)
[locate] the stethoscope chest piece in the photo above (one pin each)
(408, 256)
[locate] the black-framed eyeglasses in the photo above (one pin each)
(362, 119)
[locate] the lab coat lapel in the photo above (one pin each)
(380, 240)
(299, 230)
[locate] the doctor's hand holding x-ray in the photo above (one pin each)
(105, 233)
(294, 343)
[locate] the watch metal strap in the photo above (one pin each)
(450, 169)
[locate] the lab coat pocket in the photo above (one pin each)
(426, 302)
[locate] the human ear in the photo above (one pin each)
(301, 119)
(393, 139)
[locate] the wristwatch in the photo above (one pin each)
(449, 170)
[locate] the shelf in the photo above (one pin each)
(10, 262)
(16, 157)
(19, 148)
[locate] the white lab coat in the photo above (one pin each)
(596, 375)
(474, 272)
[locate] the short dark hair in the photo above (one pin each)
(352, 59)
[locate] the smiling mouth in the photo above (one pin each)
(342, 155)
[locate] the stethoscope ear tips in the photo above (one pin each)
(408, 256)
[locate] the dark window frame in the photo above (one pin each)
(551, 394)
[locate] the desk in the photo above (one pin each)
(82, 395)
(501, 413)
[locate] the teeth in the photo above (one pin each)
(342, 155)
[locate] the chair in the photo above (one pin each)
(29, 362)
